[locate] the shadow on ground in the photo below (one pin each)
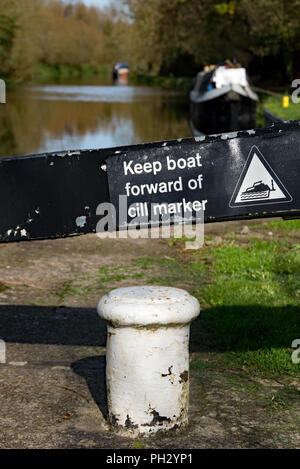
(93, 370)
(51, 325)
(241, 328)
(217, 328)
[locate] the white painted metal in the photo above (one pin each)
(2, 92)
(147, 357)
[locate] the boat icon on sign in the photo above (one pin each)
(258, 184)
(259, 190)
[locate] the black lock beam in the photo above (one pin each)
(249, 174)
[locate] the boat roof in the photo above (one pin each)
(223, 76)
(121, 65)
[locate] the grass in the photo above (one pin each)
(270, 398)
(286, 226)
(199, 365)
(264, 270)
(117, 274)
(169, 272)
(249, 293)
(251, 299)
(69, 289)
(274, 104)
(248, 288)
(138, 444)
(254, 304)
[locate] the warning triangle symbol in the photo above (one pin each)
(258, 184)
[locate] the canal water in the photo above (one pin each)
(56, 117)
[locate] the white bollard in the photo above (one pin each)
(147, 358)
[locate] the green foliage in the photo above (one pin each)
(226, 8)
(155, 36)
(8, 26)
(44, 73)
(57, 39)
(174, 83)
(211, 31)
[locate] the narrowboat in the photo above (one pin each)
(120, 73)
(222, 99)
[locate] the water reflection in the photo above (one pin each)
(62, 117)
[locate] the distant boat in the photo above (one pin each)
(120, 73)
(222, 100)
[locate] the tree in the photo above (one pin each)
(213, 30)
(8, 25)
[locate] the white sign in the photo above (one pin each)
(258, 184)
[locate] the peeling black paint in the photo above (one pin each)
(169, 372)
(184, 376)
(157, 419)
(129, 423)
(114, 420)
